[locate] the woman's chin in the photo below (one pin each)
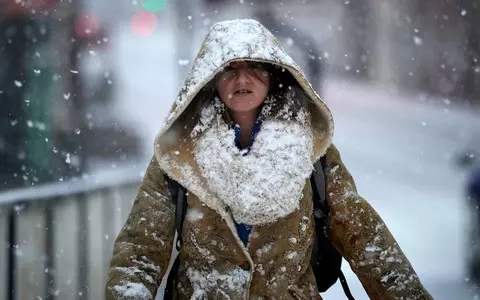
(243, 103)
(243, 108)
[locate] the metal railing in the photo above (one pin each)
(57, 238)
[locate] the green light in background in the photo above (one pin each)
(154, 5)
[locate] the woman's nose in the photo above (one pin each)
(242, 75)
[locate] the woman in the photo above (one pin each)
(242, 138)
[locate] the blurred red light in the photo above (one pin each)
(143, 23)
(86, 25)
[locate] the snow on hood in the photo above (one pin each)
(226, 42)
(244, 39)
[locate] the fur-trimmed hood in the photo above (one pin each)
(228, 41)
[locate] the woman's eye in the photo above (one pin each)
(228, 73)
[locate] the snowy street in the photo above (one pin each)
(401, 153)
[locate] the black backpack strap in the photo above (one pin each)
(345, 287)
(179, 196)
(327, 274)
(317, 180)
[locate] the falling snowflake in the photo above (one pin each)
(417, 40)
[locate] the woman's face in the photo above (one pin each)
(243, 85)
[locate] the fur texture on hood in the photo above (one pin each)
(227, 42)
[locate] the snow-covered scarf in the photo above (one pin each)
(267, 183)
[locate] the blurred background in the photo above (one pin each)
(85, 85)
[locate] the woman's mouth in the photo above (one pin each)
(242, 91)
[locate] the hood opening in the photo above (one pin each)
(281, 83)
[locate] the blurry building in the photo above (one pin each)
(54, 94)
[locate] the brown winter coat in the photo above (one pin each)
(276, 265)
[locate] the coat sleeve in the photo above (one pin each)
(363, 239)
(142, 250)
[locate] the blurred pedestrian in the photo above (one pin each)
(242, 139)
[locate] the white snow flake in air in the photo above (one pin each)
(290, 42)
(183, 62)
(417, 40)
(18, 83)
(67, 159)
(40, 126)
